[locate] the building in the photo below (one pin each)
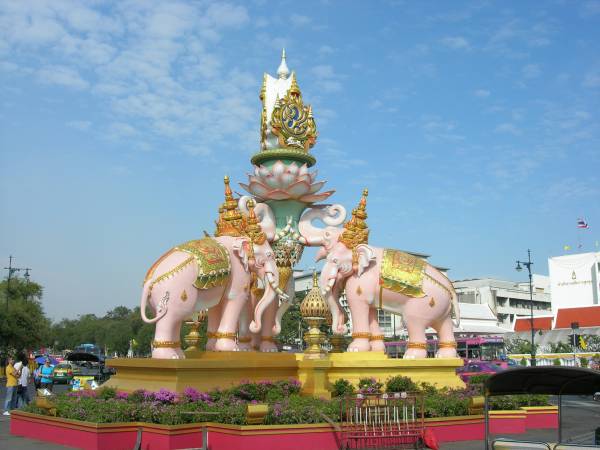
(506, 299)
(575, 280)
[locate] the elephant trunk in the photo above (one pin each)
(331, 215)
(268, 297)
(288, 285)
(331, 293)
(146, 293)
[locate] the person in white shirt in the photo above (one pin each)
(23, 388)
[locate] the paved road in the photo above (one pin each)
(580, 417)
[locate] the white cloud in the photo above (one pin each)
(325, 50)
(456, 43)
(327, 79)
(299, 20)
(508, 128)
(62, 76)
(591, 80)
(531, 71)
(482, 93)
(81, 125)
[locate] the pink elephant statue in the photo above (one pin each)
(215, 274)
(381, 278)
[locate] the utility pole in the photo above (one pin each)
(528, 264)
(12, 270)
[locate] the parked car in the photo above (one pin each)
(477, 368)
(64, 372)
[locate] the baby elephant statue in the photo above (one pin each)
(208, 272)
(381, 278)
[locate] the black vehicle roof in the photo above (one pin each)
(544, 380)
(81, 356)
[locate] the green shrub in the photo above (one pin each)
(342, 387)
(428, 388)
(556, 362)
(583, 361)
(400, 384)
(479, 379)
(297, 409)
(447, 402)
(511, 402)
(106, 393)
(369, 386)
(523, 362)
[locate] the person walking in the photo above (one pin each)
(47, 373)
(11, 387)
(23, 398)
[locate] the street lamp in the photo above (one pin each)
(528, 264)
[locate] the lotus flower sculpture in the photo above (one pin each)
(281, 181)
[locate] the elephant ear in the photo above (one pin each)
(366, 257)
(240, 248)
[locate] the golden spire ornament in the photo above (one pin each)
(253, 229)
(314, 311)
(231, 220)
(355, 230)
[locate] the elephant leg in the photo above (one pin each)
(360, 326)
(231, 306)
(377, 343)
(244, 337)
(445, 330)
(267, 344)
(416, 336)
(214, 318)
(168, 329)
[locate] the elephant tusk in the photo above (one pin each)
(271, 278)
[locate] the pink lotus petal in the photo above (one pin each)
(258, 189)
(278, 168)
(311, 198)
(305, 178)
(256, 171)
(313, 176)
(293, 168)
(316, 186)
(286, 179)
(271, 181)
(298, 189)
(245, 186)
(278, 194)
(303, 169)
(263, 171)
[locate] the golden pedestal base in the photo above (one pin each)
(208, 370)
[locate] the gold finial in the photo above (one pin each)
(314, 311)
(263, 89)
(253, 229)
(231, 221)
(355, 230)
(294, 89)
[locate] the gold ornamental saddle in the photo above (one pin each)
(402, 273)
(212, 258)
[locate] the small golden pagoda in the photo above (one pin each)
(314, 311)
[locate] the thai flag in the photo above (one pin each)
(581, 223)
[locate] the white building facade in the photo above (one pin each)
(575, 280)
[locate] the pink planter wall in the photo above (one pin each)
(91, 436)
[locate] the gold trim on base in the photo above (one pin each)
(417, 345)
(166, 344)
(446, 344)
(224, 335)
(377, 337)
(362, 335)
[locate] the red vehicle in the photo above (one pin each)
(477, 368)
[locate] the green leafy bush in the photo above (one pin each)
(583, 361)
(400, 384)
(369, 385)
(297, 409)
(523, 362)
(342, 387)
(511, 402)
(556, 362)
(447, 402)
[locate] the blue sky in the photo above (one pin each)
(473, 124)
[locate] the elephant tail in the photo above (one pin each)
(146, 293)
(455, 308)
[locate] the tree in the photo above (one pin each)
(561, 347)
(23, 325)
(519, 346)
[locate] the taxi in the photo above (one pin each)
(64, 372)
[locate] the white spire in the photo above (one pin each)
(283, 72)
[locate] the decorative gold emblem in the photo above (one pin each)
(361, 335)
(402, 273)
(418, 345)
(184, 296)
(231, 221)
(432, 302)
(355, 230)
(292, 121)
(446, 344)
(377, 337)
